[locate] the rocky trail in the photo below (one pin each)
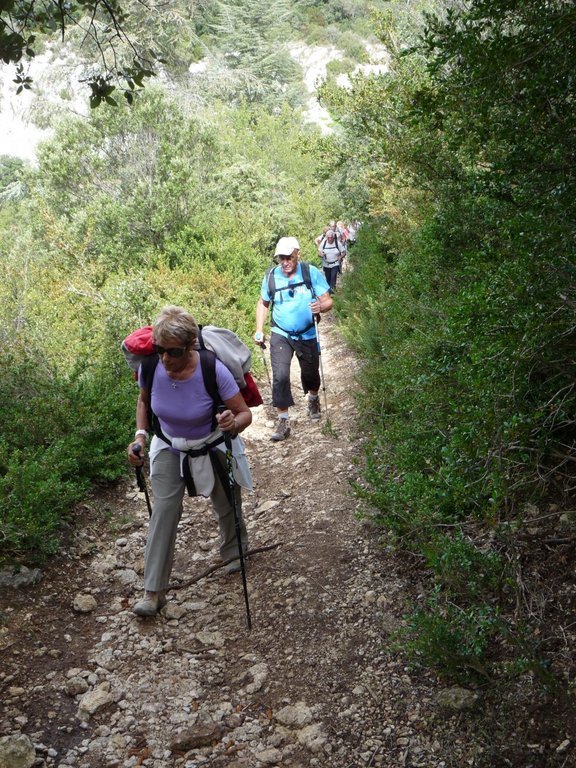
(318, 681)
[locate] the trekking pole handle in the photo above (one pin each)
(227, 436)
(136, 450)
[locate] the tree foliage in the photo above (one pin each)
(122, 61)
(128, 210)
(463, 297)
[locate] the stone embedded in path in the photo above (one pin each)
(266, 506)
(94, 701)
(294, 715)
(271, 756)
(215, 639)
(24, 577)
(457, 699)
(313, 737)
(259, 675)
(174, 611)
(202, 735)
(76, 685)
(17, 751)
(84, 603)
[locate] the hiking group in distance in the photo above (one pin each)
(195, 394)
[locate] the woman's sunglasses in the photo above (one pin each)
(171, 352)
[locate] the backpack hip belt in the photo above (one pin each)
(204, 449)
(294, 335)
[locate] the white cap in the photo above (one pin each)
(286, 246)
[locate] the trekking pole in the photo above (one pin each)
(317, 321)
(265, 361)
(141, 480)
(262, 346)
(232, 483)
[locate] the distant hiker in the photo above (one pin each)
(318, 240)
(297, 291)
(342, 232)
(187, 450)
(352, 233)
(342, 237)
(330, 251)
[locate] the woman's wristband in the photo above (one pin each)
(141, 433)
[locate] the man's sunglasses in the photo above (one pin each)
(171, 352)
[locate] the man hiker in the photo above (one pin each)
(331, 253)
(297, 292)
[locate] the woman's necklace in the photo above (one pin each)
(183, 375)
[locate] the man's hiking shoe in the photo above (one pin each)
(150, 604)
(281, 430)
(314, 409)
(233, 567)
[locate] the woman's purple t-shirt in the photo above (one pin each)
(184, 408)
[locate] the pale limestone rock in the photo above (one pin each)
(17, 751)
(214, 639)
(93, 702)
(76, 685)
(294, 715)
(201, 735)
(84, 603)
(456, 698)
(269, 756)
(174, 611)
(312, 737)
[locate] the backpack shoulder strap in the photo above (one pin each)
(271, 282)
(208, 368)
(307, 278)
(147, 369)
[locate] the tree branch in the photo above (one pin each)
(213, 568)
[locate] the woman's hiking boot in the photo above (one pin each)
(150, 604)
(281, 430)
(314, 408)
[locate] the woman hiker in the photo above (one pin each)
(185, 416)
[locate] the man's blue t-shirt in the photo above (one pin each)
(291, 310)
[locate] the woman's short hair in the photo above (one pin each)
(175, 323)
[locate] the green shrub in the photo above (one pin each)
(38, 487)
(337, 67)
(451, 639)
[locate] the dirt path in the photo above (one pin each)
(316, 682)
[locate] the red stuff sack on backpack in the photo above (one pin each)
(137, 346)
(225, 344)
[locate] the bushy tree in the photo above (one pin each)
(120, 59)
(251, 62)
(128, 210)
(466, 289)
